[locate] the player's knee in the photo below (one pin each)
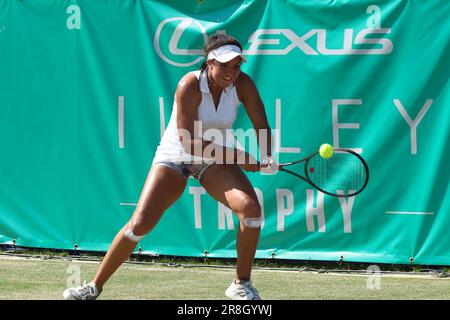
(251, 214)
(140, 226)
(250, 209)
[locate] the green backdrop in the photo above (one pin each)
(86, 88)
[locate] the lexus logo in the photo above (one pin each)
(368, 41)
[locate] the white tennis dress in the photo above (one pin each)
(216, 125)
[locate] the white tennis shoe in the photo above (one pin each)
(242, 291)
(86, 292)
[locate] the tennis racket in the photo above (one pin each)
(344, 174)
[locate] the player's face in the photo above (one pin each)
(224, 74)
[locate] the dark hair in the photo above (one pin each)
(216, 41)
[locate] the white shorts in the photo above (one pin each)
(187, 170)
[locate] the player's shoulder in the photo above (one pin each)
(188, 85)
(188, 81)
(245, 85)
(243, 79)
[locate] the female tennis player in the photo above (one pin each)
(205, 101)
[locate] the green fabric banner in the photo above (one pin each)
(86, 90)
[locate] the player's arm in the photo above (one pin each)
(249, 95)
(188, 99)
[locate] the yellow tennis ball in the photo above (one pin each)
(326, 151)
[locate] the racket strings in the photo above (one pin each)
(342, 172)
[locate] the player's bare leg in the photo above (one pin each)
(229, 185)
(162, 188)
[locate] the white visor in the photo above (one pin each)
(226, 53)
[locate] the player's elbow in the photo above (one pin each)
(187, 144)
(185, 139)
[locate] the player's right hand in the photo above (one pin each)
(268, 165)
